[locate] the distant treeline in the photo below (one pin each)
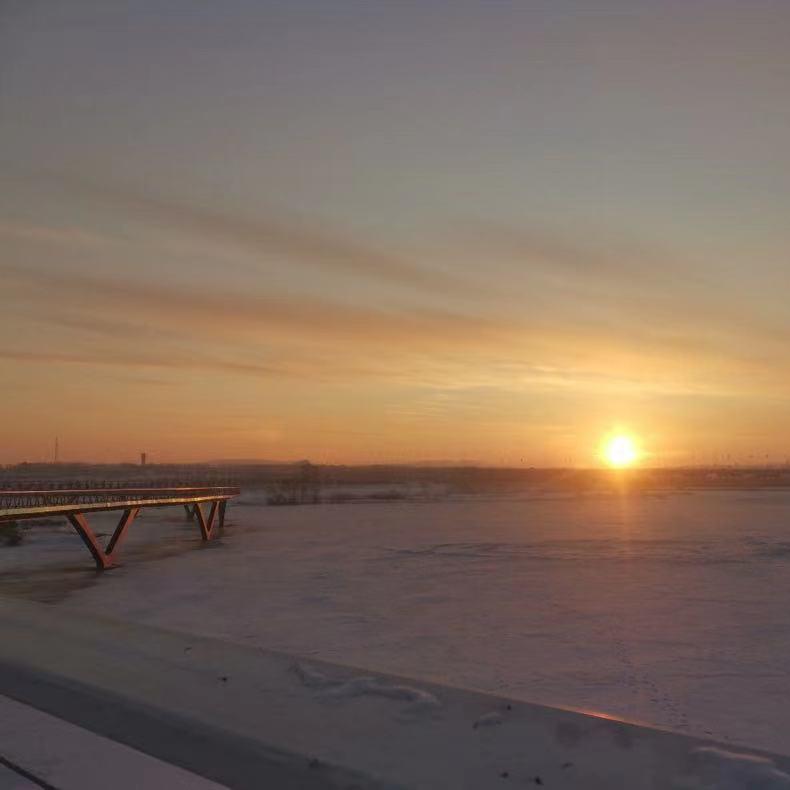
(303, 481)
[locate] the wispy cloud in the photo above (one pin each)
(71, 236)
(221, 311)
(296, 242)
(558, 311)
(124, 359)
(273, 336)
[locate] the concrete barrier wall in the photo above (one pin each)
(249, 718)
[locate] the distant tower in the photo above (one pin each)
(57, 450)
(143, 456)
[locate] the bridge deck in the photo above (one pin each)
(74, 503)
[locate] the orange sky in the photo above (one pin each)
(270, 232)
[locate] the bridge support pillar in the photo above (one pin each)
(206, 524)
(103, 557)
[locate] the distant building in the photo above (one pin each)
(142, 459)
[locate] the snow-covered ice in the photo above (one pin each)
(666, 609)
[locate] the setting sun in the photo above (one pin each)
(620, 451)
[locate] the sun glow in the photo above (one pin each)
(620, 451)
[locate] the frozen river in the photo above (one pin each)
(673, 610)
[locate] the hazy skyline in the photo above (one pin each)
(368, 231)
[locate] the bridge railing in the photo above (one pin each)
(95, 492)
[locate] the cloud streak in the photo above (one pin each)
(220, 311)
(24, 231)
(147, 360)
(297, 242)
(311, 338)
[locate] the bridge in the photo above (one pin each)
(75, 502)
